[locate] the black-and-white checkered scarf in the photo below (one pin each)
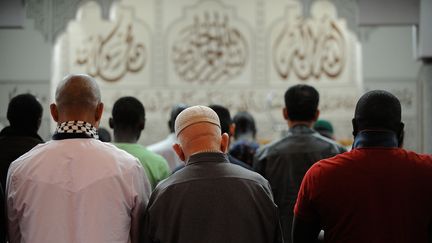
(76, 129)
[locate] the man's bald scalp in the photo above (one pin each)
(78, 92)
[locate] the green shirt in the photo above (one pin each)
(156, 166)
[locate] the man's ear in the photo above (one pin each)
(224, 143)
(401, 135)
(317, 113)
(170, 124)
(179, 151)
(141, 125)
(285, 113)
(355, 127)
(98, 112)
(232, 129)
(54, 112)
(111, 123)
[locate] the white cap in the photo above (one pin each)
(194, 115)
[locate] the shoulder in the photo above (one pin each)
(271, 148)
(328, 142)
(238, 162)
(420, 160)
(41, 149)
(330, 166)
(225, 171)
(94, 150)
(246, 174)
(153, 156)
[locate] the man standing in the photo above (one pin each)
(24, 114)
(128, 121)
(228, 127)
(285, 162)
(210, 200)
(76, 188)
(377, 192)
(164, 147)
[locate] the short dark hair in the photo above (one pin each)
(175, 111)
(104, 134)
(224, 117)
(127, 112)
(25, 112)
(301, 102)
(244, 123)
(378, 109)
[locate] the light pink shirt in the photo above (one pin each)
(76, 190)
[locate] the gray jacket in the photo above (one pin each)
(212, 201)
(285, 162)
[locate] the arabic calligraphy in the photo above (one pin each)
(209, 50)
(310, 49)
(111, 57)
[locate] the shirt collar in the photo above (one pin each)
(214, 157)
(300, 128)
(387, 139)
(75, 129)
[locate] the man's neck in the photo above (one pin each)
(376, 138)
(292, 124)
(120, 137)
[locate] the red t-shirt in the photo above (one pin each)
(369, 195)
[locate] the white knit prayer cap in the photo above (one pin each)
(194, 115)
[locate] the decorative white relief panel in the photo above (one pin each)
(242, 54)
(117, 52)
(209, 44)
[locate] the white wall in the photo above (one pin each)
(25, 55)
(388, 63)
(388, 54)
(25, 61)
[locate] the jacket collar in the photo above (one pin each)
(300, 129)
(386, 139)
(211, 157)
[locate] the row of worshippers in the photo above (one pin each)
(127, 121)
(76, 188)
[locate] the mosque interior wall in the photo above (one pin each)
(386, 60)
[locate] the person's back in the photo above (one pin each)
(77, 194)
(210, 200)
(216, 202)
(374, 195)
(377, 192)
(128, 121)
(24, 115)
(76, 188)
(284, 162)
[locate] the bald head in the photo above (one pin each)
(77, 97)
(77, 91)
(198, 130)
